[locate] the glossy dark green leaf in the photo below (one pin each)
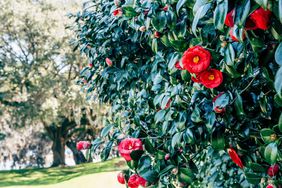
(253, 178)
(159, 21)
(278, 54)
(179, 4)
(278, 82)
(271, 153)
(220, 14)
(239, 105)
(201, 12)
(176, 139)
(136, 154)
(106, 130)
(266, 135)
(280, 123)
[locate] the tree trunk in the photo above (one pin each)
(77, 155)
(58, 149)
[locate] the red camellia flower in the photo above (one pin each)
(196, 59)
(270, 186)
(259, 19)
(235, 158)
(81, 145)
(195, 79)
(120, 178)
(229, 20)
(178, 66)
(128, 145)
(117, 12)
(211, 78)
(135, 181)
(109, 62)
(273, 170)
(218, 109)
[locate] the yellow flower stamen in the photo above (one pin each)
(196, 59)
(211, 77)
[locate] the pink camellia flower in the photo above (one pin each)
(117, 12)
(235, 158)
(109, 62)
(128, 145)
(218, 109)
(81, 145)
(120, 178)
(135, 181)
(273, 170)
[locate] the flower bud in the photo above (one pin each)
(142, 28)
(165, 8)
(120, 178)
(157, 34)
(167, 156)
(273, 170)
(174, 171)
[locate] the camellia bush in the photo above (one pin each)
(195, 88)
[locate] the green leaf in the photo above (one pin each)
(159, 22)
(278, 54)
(159, 117)
(176, 139)
(106, 151)
(257, 167)
(106, 130)
(253, 178)
(242, 12)
(266, 135)
(149, 175)
(196, 116)
(280, 123)
(166, 170)
(217, 140)
(271, 153)
(148, 146)
(136, 154)
(239, 105)
(188, 136)
(129, 11)
(220, 14)
(155, 45)
(280, 10)
(185, 175)
(262, 3)
(278, 82)
(201, 12)
(179, 4)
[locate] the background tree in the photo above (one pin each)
(38, 72)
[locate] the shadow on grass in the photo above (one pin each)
(56, 175)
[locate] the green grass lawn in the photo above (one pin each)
(55, 175)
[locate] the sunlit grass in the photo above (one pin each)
(55, 175)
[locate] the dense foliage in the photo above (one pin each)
(198, 83)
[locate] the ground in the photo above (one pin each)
(94, 175)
